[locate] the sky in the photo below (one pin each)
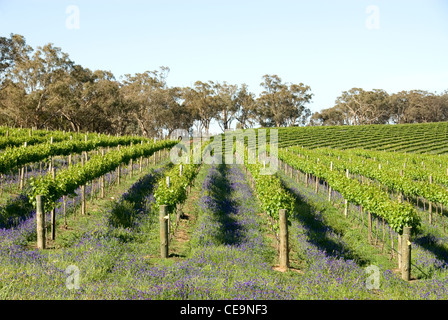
(329, 45)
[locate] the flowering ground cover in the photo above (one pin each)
(231, 251)
(429, 257)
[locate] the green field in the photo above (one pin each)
(349, 193)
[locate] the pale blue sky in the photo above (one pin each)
(322, 43)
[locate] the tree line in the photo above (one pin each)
(360, 107)
(44, 88)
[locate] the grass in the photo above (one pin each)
(223, 249)
(180, 245)
(326, 221)
(90, 242)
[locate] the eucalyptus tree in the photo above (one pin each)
(246, 106)
(102, 108)
(226, 103)
(328, 117)
(364, 107)
(201, 103)
(282, 104)
(142, 93)
(172, 113)
(32, 79)
(416, 106)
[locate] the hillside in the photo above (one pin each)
(417, 138)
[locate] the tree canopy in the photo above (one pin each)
(44, 88)
(357, 107)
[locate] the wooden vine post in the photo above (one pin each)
(64, 203)
(131, 165)
(400, 194)
(53, 212)
(118, 170)
(22, 173)
(119, 175)
(163, 221)
(22, 177)
(406, 254)
(40, 221)
(140, 164)
(283, 237)
(399, 250)
(83, 193)
(329, 188)
(430, 204)
(102, 180)
(345, 200)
